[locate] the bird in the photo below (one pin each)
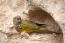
(27, 26)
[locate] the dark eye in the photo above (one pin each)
(19, 20)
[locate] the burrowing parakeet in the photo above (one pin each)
(28, 26)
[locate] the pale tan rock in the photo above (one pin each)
(12, 8)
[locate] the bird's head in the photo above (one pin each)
(17, 20)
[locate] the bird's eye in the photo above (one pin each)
(19, 20)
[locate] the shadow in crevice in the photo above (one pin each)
(42, 17)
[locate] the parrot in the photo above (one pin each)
(27, 26)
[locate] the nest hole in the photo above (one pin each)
(42, 17)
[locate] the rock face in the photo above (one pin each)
(55, 8)
(39, 11)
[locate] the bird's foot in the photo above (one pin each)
(24, 35)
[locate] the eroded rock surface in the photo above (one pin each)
(12, 8)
